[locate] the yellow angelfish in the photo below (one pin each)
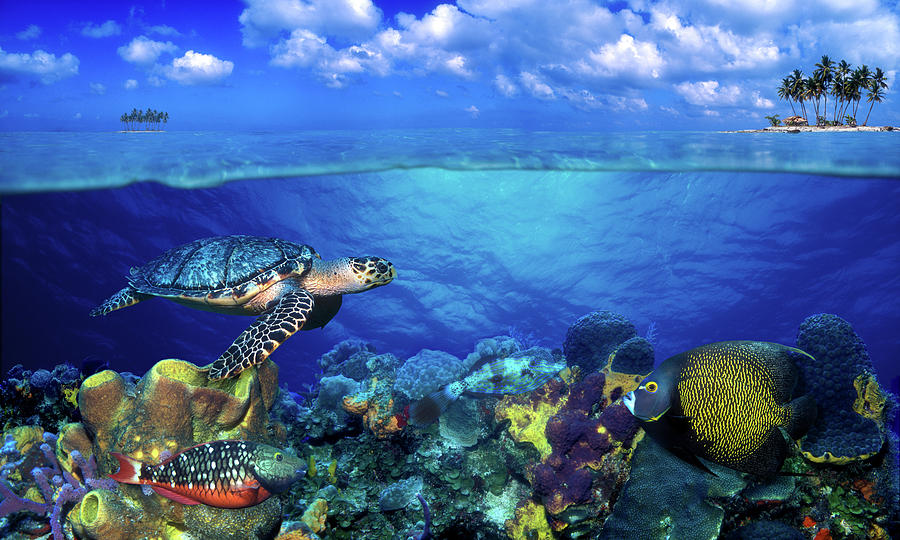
(728, 402)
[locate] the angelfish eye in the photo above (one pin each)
(279, 456)
(651, 387)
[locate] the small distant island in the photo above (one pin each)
(138, 121)
(841, 81)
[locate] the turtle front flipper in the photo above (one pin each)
(269, 331)
(128, 296)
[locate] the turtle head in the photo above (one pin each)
(348, 275)
(371, 272)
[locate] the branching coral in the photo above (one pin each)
(59, 488)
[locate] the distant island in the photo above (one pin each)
(841, 81)
(141, 121)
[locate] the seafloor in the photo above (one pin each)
(564, 461)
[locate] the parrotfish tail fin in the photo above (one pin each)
(802, 413)
(129, 469)
(429, 408)
(128, 296)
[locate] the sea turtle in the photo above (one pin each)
(288, 285)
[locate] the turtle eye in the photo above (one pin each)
(651, 387)
(279, 456)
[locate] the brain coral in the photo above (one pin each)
(841, 375)
(427, 371)
(633, 356)
(593, 337)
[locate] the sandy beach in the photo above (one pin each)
(815, 129)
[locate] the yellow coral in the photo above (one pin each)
(870, 399)
(315, 515)
(173, 407)
(70, 394)
(528, 418)
(530, 523)
(332, 469)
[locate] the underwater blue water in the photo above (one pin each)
(706, 236)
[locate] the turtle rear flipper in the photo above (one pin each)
(269, 331)
(128, 296)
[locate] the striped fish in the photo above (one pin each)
(224, 474)
(522, 372)
(726, 402)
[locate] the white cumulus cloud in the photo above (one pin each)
(131, 84)
(709, 93)
(712, 94)
(538, 88)
(198, 68)
(106, 29)
(263, 20)
(505, 86)
(32, 32)
(41, 64)
(164, 30)
(143, 50)
(473, 111)
(626, 56)
(98, 88)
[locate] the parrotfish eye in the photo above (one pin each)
(279, 456)
(651, 387)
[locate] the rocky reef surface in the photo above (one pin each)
(564, 461)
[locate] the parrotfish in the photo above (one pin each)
(516, 374)
(225, 474)
(729, 402)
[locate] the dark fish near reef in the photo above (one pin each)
(225, 474)
(727, 402)
(522, 372)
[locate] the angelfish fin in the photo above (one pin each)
(429, 408)
(129, 469)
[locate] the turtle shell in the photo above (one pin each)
(222, 270)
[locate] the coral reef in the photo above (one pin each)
(60, 483)
(426, 372)
(40, 397)
(841, 378)
(635, 355)
(593, 337)
(666, 497)
(566, 460)
(173, 407)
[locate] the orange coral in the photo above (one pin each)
(380, 422)
(865, 487)
(352, 406)
(823, 534)
(809, 522)
(314, 516)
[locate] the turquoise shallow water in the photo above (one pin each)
(71, 161)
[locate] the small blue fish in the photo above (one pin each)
(522, 372)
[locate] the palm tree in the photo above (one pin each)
(877, 86)
(784, 92)
(839, 88)
(860, 80)
(813, 89)
(825, 73)
(798, 91)
(165, 118)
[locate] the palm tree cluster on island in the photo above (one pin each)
(148, 120)
(842, 82)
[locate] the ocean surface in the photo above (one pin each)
(703, 236)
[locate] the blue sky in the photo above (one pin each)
(535, 64)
